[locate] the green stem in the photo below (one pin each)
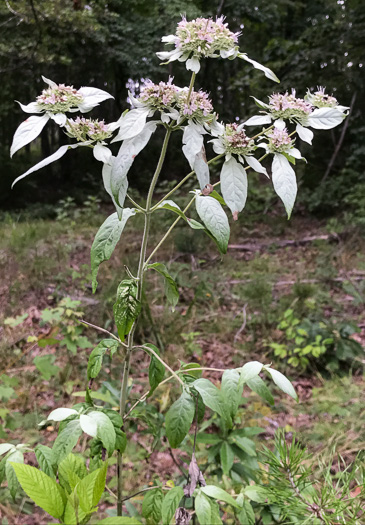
(141, 264)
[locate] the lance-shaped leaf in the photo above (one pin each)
(195, 478)
(120, 436)
(171, 290)
(170, 504)
(304, 134)
(61, 413)
(215, 220)
(48, 160)
(282, 382)
(325, 118)
(42, 489)
(257, 385)
(203, 509)
(132, 123)
(179, 419)
(96, 357)
(267, 72)
(152, 506)
(217, 493)
(234, 186)
(32, 107)
(127, 307)
(106, 240)
(227, 457)
(44, 457)
(192, 142)
(66, 440)
(284, 181)
(156, 371)
(231, 390)
(123, 186)
(172, 206)
(250, 370)
(28, 131)
(258, 120)
(212, 396)
(255, 165)
(90, 489)
(201, 168)
(92, 97)
(11, 460)
(117, 184)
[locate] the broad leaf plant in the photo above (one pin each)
(61, 484)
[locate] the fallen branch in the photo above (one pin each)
(331, 237)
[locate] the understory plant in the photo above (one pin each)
(62, 484)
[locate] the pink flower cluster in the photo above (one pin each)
(320, 99)
(59, 99)
(286, 106)
(84, 129)
(198, 107)
(158, 95)
(204, 37)
(279, 140)
(236, 141)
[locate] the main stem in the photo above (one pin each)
(141, 264)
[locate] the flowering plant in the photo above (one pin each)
(74, 498)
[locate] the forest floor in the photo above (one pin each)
(228, 314)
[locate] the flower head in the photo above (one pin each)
(83, 129)
(236, 141)
(199, 107)
(279, 141)
(158, 96)
(289, 106)
(59, 98)
(203, 37)
(320, 99)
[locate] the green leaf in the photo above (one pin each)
(219, 494)
(44, 457)
(257, 385)
(179, 419)
(2, 470)
(246, 516)
(119, 520)
(71, 464)
(12, 459)
(170, 504)
(215, 220)
(44, 364)
(212, 396)
(171, 290)
(282, 382)
(245, 444)
(96, 356)
(256, 493)
(91, 488)
(152, 506)
(120, 436)
(105, 430)
(42, 489)
(106, 240)
(231, 390)
(66, 441)
(227, 457)
(216, 519)
(126, 308)
(203, 509)
(156, 371)
(250, 370)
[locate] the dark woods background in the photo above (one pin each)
(109, 44)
